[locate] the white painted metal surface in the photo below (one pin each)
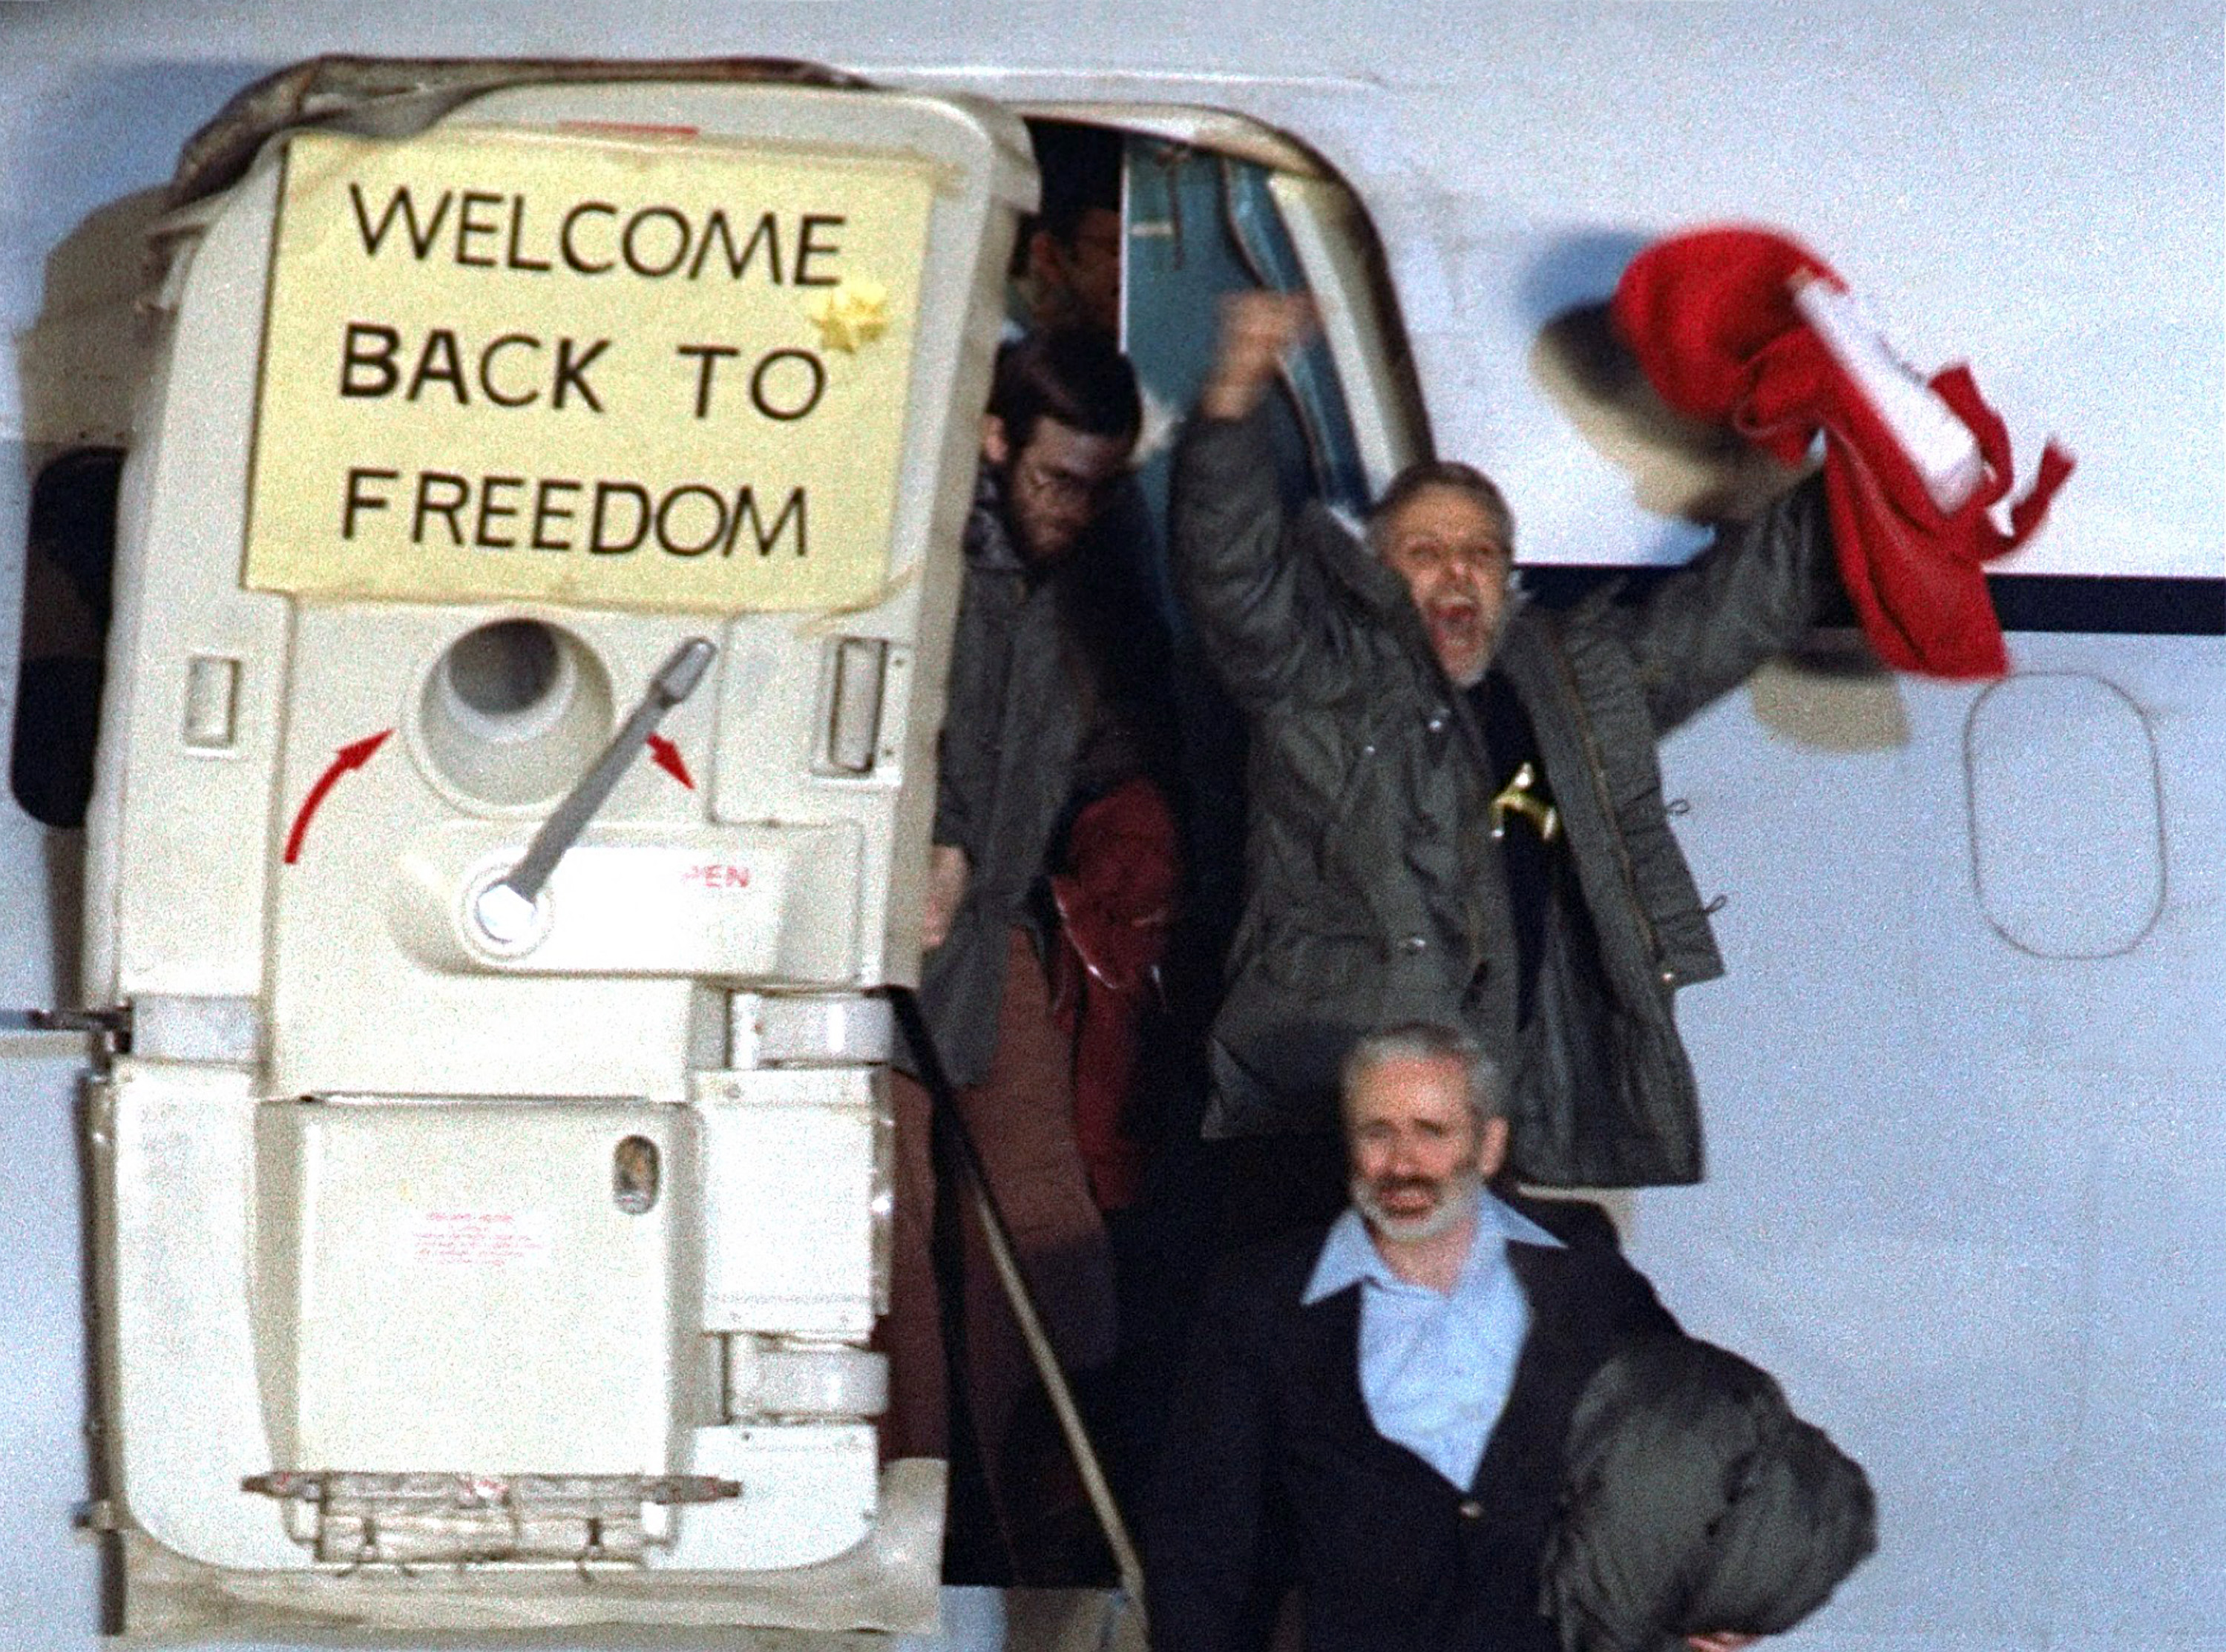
(432, 1243)
(1964, 1200)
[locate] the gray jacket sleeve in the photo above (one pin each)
(1754, 592)
(954, 816)
(964, 752)
(1271, 626)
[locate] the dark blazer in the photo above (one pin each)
(1272, 1469)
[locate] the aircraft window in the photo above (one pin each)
(68, 562)
(2066, 801)
(634, 1175)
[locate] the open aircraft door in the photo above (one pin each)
(490, 1175)
(1214, 203)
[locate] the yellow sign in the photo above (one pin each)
(645, 373)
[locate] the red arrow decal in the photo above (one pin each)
(351, 756)
(666, 756)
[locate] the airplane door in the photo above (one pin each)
(1200, 226)
(564, 475)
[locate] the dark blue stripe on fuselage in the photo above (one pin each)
(2103, 603)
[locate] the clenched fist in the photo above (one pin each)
(1256, 329)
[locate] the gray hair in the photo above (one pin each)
(1451, 474)
(1429, 1041)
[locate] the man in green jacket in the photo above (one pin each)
(1456, 810)
(1036, 715)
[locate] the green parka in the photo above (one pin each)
(1374, 892)
(1695, 1503)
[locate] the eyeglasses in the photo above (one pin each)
(1062, 484)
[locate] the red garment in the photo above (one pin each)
(1115, 907)
(1711, 317)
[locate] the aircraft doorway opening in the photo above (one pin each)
(1201, 205)
(1150, 219)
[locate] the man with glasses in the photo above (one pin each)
(1038, 716)
(1456, 811)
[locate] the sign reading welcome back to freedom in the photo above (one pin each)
(648, 373)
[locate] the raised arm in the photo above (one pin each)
(1250, 597)
(1753, 593)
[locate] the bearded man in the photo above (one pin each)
(1455, 807)
(1379, 1413)
(1037, 717)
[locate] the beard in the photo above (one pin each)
(1457, 1197)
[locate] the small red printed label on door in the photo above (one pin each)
(715, 874)
(475, 1238)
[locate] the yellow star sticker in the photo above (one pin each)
(855, 313)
